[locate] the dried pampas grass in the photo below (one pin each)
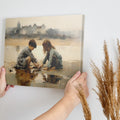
(86, 110)
(108, 84)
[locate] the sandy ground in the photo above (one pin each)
(24, 42)
(43, 78)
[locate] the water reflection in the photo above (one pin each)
(51, 78)
(26, 77)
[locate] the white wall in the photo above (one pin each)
(102, 22)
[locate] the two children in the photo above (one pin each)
(52, 56)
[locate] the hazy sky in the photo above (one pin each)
(65, 22)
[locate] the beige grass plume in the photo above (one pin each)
(108, 85)
(86, 110)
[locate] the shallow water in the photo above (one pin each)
(55, 78)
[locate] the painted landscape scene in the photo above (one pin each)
(43, 51)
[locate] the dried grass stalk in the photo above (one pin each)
(118, 73)
(108, 88)
(86, 110)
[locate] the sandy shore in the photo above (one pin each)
(69, 49)
(24, 42)
(37, 78)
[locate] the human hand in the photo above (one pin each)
(71, 93)
(40, 66)
(37, 65)
(3, 86)
(45, 68)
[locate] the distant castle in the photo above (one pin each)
(27, 30)
(35, 31)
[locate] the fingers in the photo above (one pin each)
(75, 76)
(7, 87)
(83, 76)
(81, 80)
(2, 73)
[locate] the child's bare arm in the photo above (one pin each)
(63, 108)
(36, 65)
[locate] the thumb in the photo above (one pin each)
(3, 73)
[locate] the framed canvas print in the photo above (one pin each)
(43, 51)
